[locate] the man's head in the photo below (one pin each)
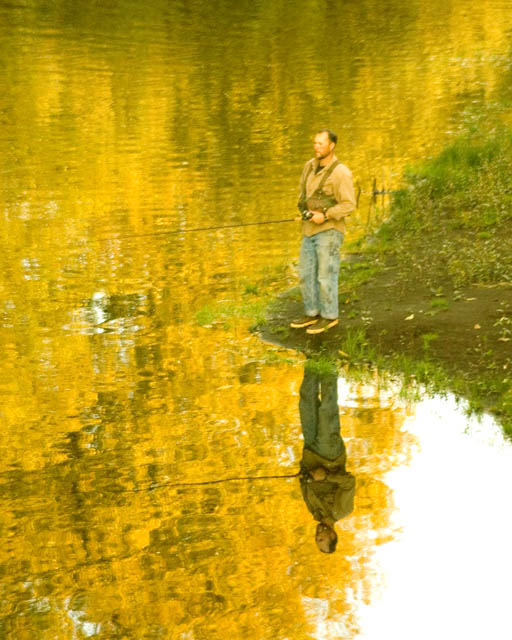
(326, 538)
(324, 143)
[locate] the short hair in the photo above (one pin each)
(332, 543)
(332, 136)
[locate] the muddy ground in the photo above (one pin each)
(468, 332)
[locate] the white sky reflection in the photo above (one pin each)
(448, 574)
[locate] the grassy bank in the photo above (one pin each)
(429, 295)
(450, 224)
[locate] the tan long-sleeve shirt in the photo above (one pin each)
(338, 184)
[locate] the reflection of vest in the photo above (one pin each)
(326, 499)
(318, 200)
(333, 500)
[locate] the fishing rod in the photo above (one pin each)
(306, 215)
(227, 226)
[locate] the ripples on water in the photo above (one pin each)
(126, 120)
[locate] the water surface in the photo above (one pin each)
(128, 120)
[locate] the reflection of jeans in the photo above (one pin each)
(319, 266)
(319, 415)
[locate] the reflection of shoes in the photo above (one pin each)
(305, 321)
(322, 325)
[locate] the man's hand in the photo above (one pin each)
(319, 474)
(318, 217)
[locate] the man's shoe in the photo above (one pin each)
(305, 321)
(322, 325)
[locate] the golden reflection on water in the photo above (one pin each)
(122, 120)
(231, 557)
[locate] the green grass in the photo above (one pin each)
(353, 275)
(275, 357)
(226, 314)
(439, 303)
(253, 300)
(206, 316)
(453, 216)
(357, 347)
(490, 391)
(322, 364)
(450, 227)
(427, 339)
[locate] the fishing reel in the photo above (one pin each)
(306, 215)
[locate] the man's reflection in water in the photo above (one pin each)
(328, 489)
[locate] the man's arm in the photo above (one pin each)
(343, 192)
(305, 173)
(344, 499)
(321, 474)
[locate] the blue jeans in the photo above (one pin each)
(319, 267)
(320, 415)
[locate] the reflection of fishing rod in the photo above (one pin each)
(166, 485)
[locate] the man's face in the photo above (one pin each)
(323, 537)
(322, 145)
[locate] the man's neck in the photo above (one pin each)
(325, 161)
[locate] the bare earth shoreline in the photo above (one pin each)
(464, 336)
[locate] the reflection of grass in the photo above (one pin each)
(491, 391)
(254, 300)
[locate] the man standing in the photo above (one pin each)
(327, 198)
